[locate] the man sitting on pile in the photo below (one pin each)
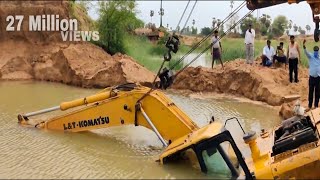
(280, 55)
(267, 54)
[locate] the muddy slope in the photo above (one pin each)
(44, 56)
(254, 82)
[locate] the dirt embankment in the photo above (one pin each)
(254, 82)
(43, 55)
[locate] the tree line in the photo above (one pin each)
(264, 26)
(118, 18)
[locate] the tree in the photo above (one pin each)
(301, 31)
(218, 22)
(265, 23)
(290, 25)
(233, 20)
(279, 25)
(231, 5)
(214, 22)
(295, 28)
(308, 28)
(151, 14)
(194, 31)
(221, 29)
(205, 31)
(115, 19)
(245, 24)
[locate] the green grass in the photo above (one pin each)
(149, 54)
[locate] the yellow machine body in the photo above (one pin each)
(302, 162)
(111, 108)
(115, 107)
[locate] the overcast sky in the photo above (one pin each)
(204, 11)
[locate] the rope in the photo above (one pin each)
(185, 9)
(206, 37)
(208, 47)
(153, 83)
(185, 24)
(159, 71)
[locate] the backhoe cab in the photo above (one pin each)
(290, 150)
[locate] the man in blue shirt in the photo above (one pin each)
(314, 72)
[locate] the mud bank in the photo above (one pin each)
(43, 55)
(257, 83)
(81, 64)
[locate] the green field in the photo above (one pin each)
(151, 55)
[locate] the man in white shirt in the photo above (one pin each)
(267, 54)
(216, 49)
(249, 41)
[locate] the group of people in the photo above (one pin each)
(270, 56)
(293, 57)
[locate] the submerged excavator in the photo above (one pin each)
(290, 150)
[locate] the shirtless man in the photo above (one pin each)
(293, 55)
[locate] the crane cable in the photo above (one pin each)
(185, 24)
(162, 64)
(208, 47)
(185, 9)
(190, 51)
(206, 37)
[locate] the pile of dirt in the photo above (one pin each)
(43, 55)
(189, 40)
(254, 82)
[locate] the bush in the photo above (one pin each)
(116, 19)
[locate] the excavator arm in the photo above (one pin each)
(314, 5)
(117, 107)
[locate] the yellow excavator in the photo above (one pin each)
(290, 150)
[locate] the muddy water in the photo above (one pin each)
(204, 60)
(124, 152)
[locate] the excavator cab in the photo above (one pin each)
(214, 152)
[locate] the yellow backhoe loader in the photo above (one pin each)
(290, 150)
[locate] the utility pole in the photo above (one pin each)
(161, 13)
(151, 14)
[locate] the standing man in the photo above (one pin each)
(249, 41)
(294, 56)
(267, 54)
(314, 72)
(216, 49)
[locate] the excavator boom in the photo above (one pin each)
(115, 107)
